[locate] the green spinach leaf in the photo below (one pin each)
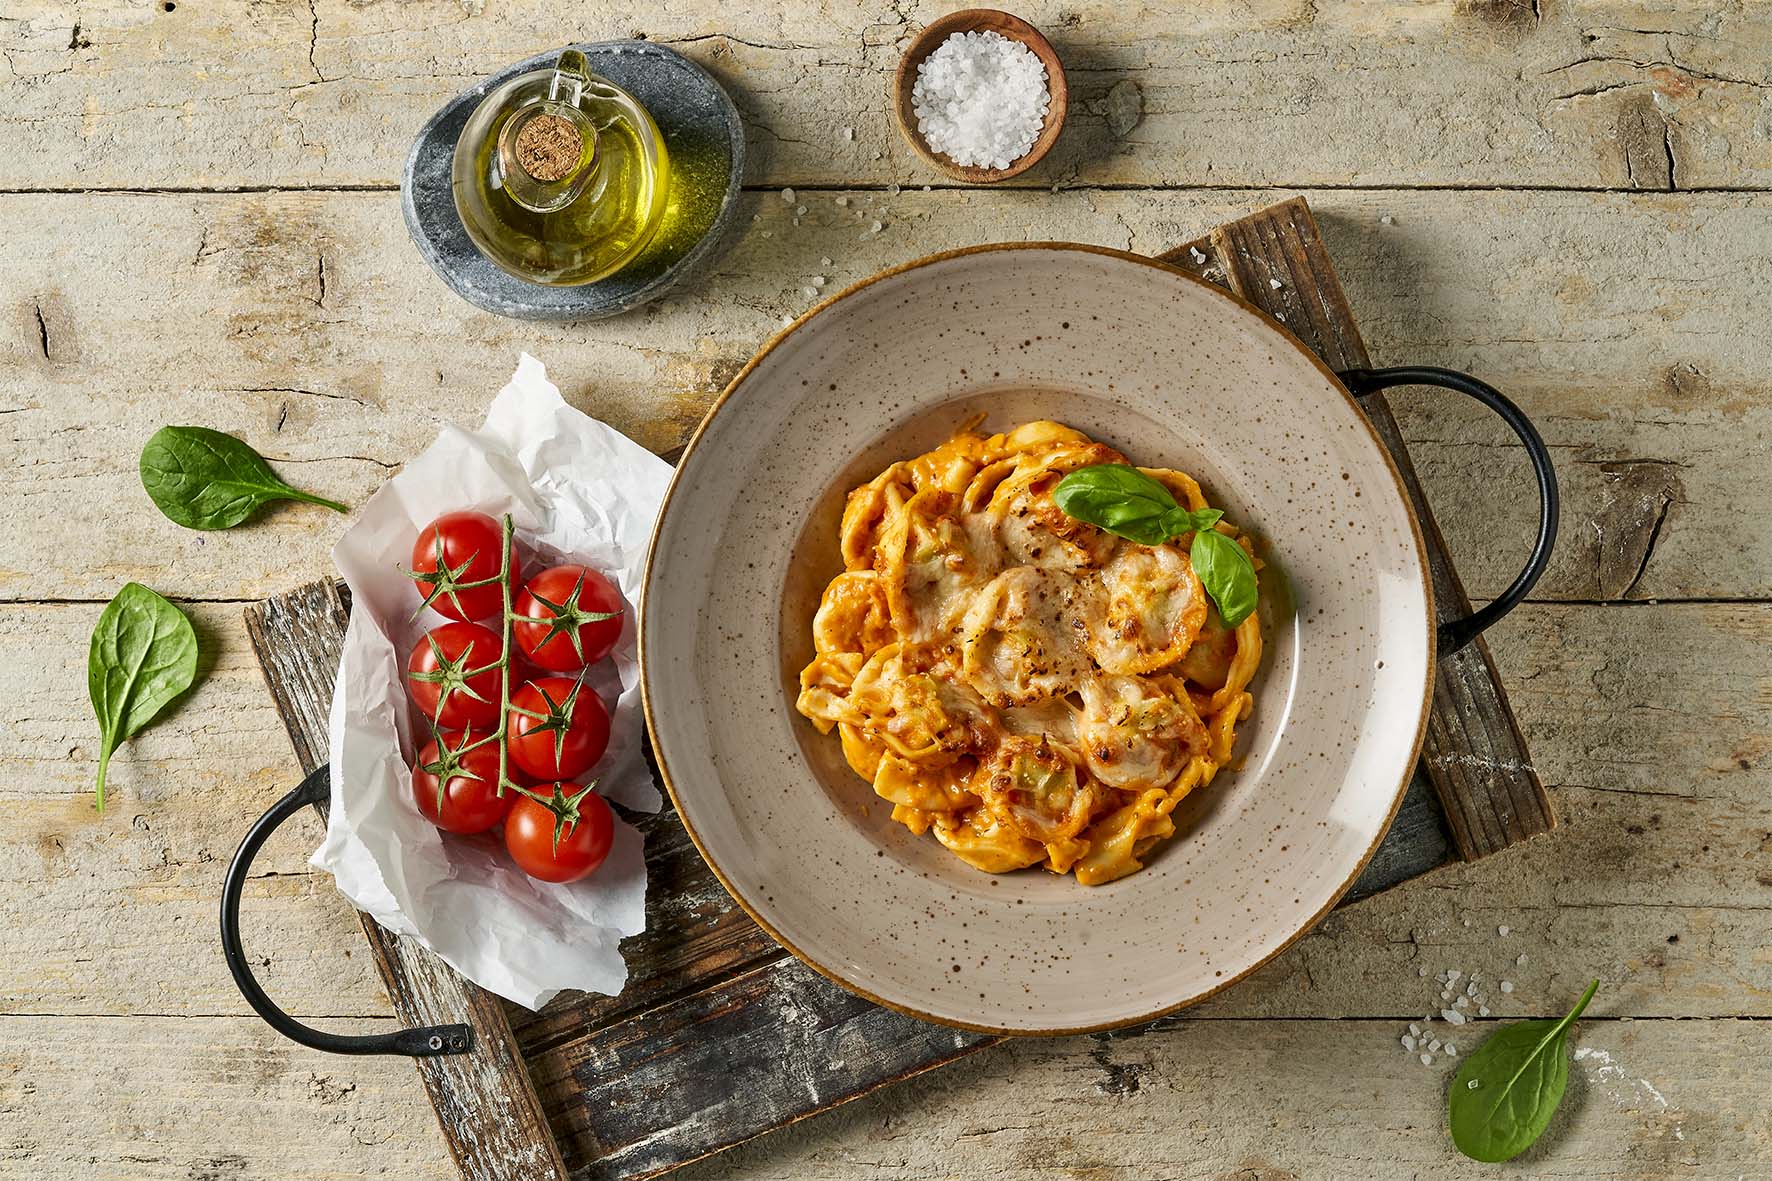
(204, 479)
(1504, 1095)
(144, 654)
(1127, 503)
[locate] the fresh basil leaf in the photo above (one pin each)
(1226, 572)
(1124, 501)
(204, 479)
(1506, 1092)
(143, 654)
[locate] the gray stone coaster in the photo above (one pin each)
(705, 140)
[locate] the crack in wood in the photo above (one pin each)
(1648, 549)
(314, 39)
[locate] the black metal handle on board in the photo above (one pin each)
(417, 1043)
(1456, 633)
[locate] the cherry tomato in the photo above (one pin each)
(469, 800)
(441, 670)
(577, 614)
(461, 548)
(583, 842)
(568, 739)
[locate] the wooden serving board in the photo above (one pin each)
(721, 1035)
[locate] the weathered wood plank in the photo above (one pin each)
(1277, 1100)
(847, 1046)
(226, 1098)
(114, 94)
(764, 1049)
(1631, 340)
(204, 1099)
(677, 1118)
(1645, 777)
(484, 1101)
(1473, 754)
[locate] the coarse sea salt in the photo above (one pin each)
(980, 99)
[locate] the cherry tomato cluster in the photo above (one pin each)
(513, 733)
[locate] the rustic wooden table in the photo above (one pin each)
(201, 225)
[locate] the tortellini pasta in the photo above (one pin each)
(1026, 687)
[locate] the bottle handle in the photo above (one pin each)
(572, 73)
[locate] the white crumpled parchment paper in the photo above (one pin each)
(579, 491)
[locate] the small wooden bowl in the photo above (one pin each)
(979, 20)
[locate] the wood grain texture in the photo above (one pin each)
(1473, 755)
(225, 1099)
(114, 912)
(1629, 324)
(484, 1099)
(844, 1046)
(1229, 1101)
(209, 309)
(1626, 94)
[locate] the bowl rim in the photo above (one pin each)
(1431, 638)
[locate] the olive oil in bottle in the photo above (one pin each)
(560, 176)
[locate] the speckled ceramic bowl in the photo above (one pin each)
(1176, 373)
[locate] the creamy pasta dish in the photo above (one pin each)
(1027, 687)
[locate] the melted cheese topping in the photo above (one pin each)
(1024, 686)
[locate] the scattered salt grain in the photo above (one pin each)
(1471, 989)
(1427, 1059)
(980, 99)
(787, 320)
(787, 196)
(824, 262)
(1452, 976)
(928, 188)
(769, 233)
(1451, 1050)
(1502, 930)
(1453, 1016)
(1507, 986)
(1415, 1029)
(1467, 922)
(849, 133)
(1389, 221)
(1482, 1010)
(875, 228)
(1275, 284)
(842, 201)
(1521, 961)
(1462, 1002)
(1408, 1043)
(800, 210)
(1200, 260)
(1473, 1084)
(818, 280)
(1418, 971)
(809, 292)
(1434, 1045)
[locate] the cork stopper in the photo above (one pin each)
(549, 147)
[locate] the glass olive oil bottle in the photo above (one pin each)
(560, 176)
